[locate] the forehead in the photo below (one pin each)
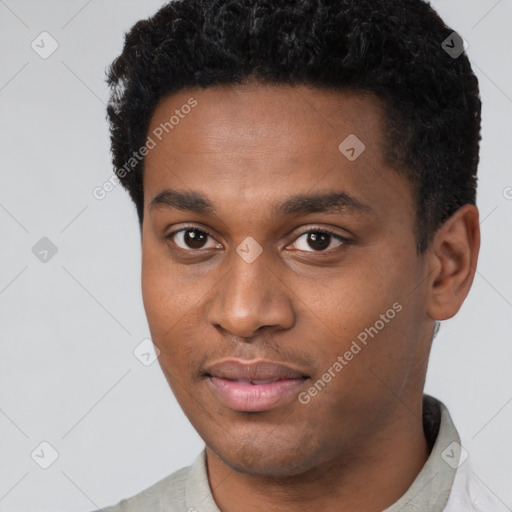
(252, 115)
(245, 142)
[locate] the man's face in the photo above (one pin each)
(308, 299)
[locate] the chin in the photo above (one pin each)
(267, 459)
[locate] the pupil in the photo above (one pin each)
(321, 239)
(194, 238)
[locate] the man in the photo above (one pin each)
(304, 174)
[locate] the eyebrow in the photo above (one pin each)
(185, 201)
(331, 202)
(300, 204)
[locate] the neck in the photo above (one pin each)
(388, 461)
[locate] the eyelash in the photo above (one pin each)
(324, 231)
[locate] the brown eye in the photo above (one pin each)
(189, 238)
(194, 238)
(318, 240)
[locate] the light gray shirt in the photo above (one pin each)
(443, 485)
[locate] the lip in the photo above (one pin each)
(252, 386)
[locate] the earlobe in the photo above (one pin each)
(453, 255)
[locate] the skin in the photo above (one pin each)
(359, 443)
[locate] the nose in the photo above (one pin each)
(249, 297)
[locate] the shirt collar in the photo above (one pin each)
(431, 488)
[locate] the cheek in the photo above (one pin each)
(348, 302)
(171, 309)
(165, 299)
(364, 316)
(155, 294)
(162, 304)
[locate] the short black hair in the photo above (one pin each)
(395, 49)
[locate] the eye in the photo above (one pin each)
(319, 240)
(190, 238)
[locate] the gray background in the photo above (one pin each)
(68, 375)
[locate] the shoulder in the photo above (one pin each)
(167, 495)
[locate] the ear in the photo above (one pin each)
(453, 256)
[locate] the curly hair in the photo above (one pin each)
(393, 49)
